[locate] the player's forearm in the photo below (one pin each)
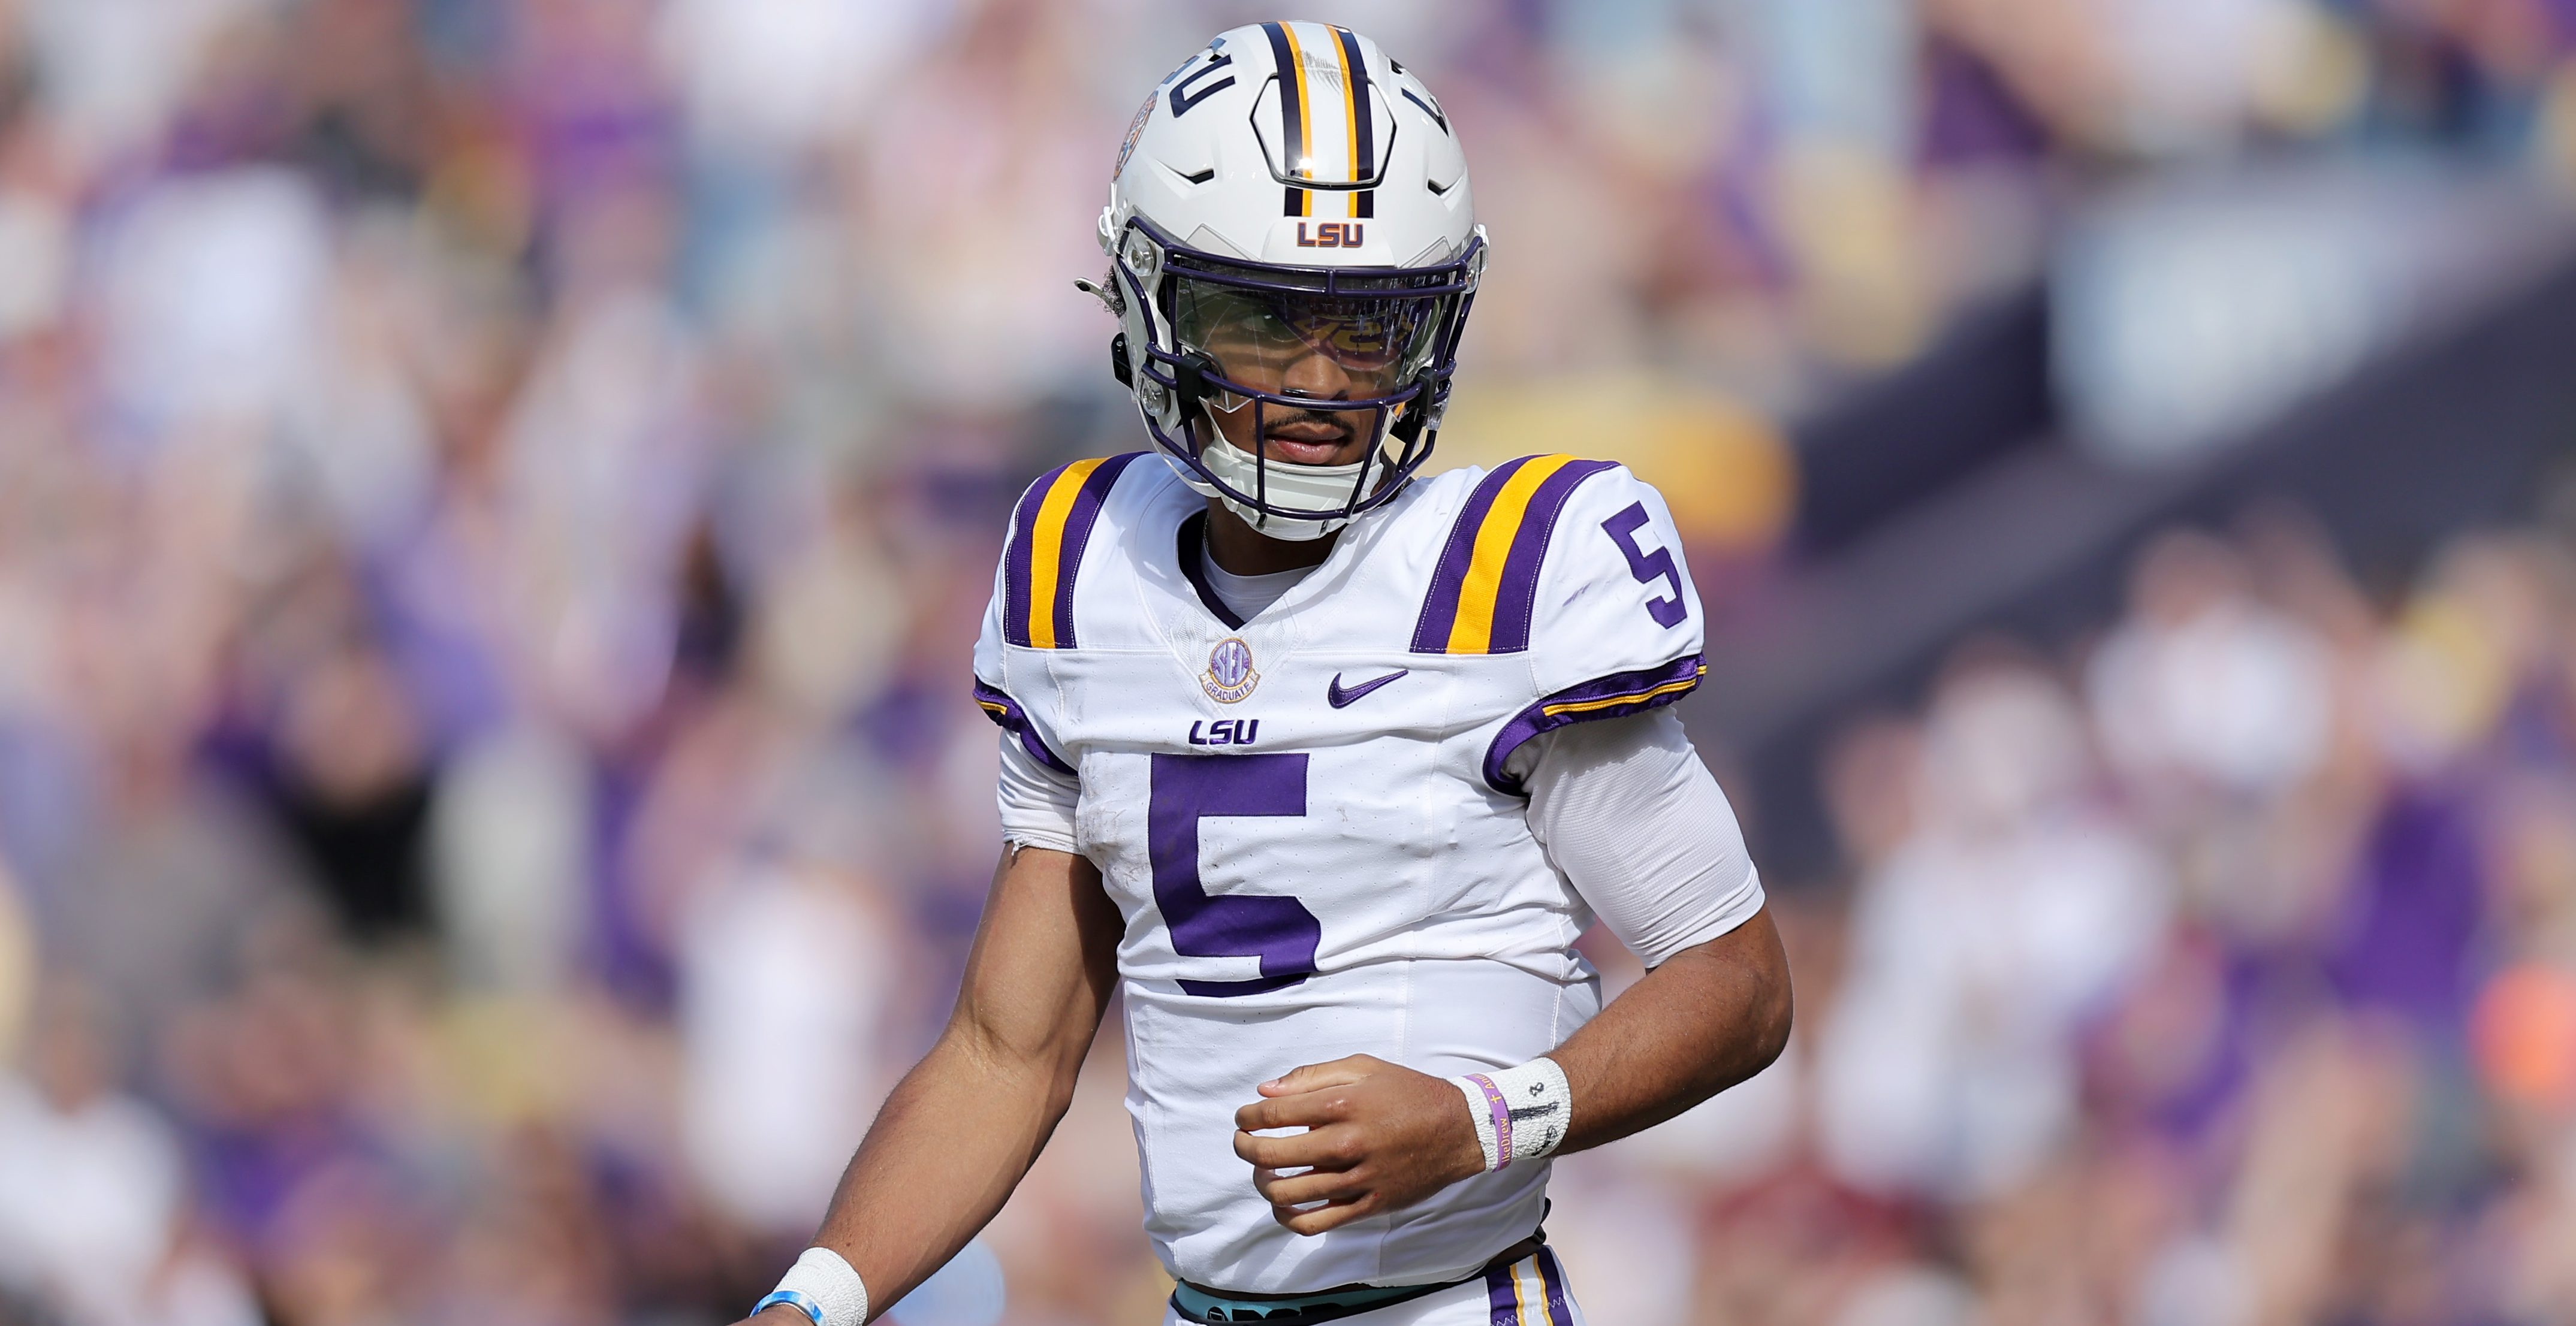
(963, 1127)
(1709, 1017)
(954, 1138)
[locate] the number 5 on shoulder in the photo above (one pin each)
(1648, 567)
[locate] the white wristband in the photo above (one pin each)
(1520, 1113)
(823, 1287)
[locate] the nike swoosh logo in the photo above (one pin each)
(1340, 698)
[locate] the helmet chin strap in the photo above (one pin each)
(1311, 487)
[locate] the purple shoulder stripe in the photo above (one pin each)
(1614, 696)
(1037, 542)
(1077, 537)
(1440, 606)
(1007, 715)
(1517, 600)
(1498, 592)
(1015, 560)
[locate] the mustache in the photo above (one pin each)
(1337, 420)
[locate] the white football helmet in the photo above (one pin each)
(1290, 190)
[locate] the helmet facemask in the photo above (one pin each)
(1221, 337)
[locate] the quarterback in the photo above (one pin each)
(1322, 763)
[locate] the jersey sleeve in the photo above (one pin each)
(1631, 816)
(1038, 804)
(1614, 622)
(1000, 679)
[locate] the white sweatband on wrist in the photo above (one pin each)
(1520, 1113)
(822, 1286)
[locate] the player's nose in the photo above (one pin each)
(1315, 375)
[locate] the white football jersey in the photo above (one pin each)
(1306, 820)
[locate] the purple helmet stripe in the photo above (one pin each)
(1518, 599)
(1363, 133)
(1008, 716)
(1440, 606)
(1502, 1299)
(1077, 536)
(1292, 119)
(1554, 1277)
(1614, 696)
(1015, 560)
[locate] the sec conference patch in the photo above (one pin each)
(1230, 675)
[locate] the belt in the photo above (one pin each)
(1199, 1303)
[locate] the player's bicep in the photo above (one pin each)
(1629, 814)
(1043, 964)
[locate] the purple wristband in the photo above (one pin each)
(1502, 1110)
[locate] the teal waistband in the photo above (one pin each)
(1196, 1303)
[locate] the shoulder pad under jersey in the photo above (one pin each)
(1033, 604)
(1574, 564)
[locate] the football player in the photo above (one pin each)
(1324, 764)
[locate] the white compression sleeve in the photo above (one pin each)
(1037, 802)
(1627, 811)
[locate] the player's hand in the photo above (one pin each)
(1379, 1138)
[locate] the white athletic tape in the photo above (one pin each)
(821, 1279)
(1520, 1113)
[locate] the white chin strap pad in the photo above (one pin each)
(1304, 487)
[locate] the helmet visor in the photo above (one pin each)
(1370, 345)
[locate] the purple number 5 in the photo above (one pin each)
(1648, 567)
(1279, 931)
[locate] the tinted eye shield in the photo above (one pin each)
(1326, 309)
(1375, 338)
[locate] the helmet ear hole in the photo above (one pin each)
(1118, 365)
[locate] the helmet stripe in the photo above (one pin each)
(1353, 97)
(1356, 102)
(1302, 160)
(1292, 112)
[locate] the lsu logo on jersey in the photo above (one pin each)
(1230, 675)
(1331, 235)
(1225, 732)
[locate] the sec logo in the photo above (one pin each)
(1230, 675)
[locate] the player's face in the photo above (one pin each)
(1310, 347)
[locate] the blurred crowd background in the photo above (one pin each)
(496, 497)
